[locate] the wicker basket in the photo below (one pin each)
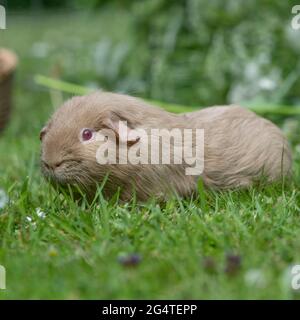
(8, 63)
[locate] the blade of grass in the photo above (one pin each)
(71, 88)
(59, 85)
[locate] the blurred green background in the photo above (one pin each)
(192, 52)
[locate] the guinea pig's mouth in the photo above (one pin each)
(72, 187)
(55, 177)
(65, 177)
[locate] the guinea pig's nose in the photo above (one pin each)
(57, 164)
(52, 166)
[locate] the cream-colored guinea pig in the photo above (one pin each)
(239, 148)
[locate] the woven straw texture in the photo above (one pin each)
(8, 63)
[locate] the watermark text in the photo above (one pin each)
(296, 19)
(2, 278)
(2, 18)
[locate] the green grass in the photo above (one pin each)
(73, 251)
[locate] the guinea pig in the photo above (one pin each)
(239, 148)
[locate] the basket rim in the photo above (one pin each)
(8, 62)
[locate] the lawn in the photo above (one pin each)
(237, 244)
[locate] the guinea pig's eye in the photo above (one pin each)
(87, 134)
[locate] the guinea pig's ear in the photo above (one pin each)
(122, 128)
(43, 132)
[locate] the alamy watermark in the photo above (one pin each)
(296, 19)
(295, 272)
(123, 145)
(2, 18)
(2, 278)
